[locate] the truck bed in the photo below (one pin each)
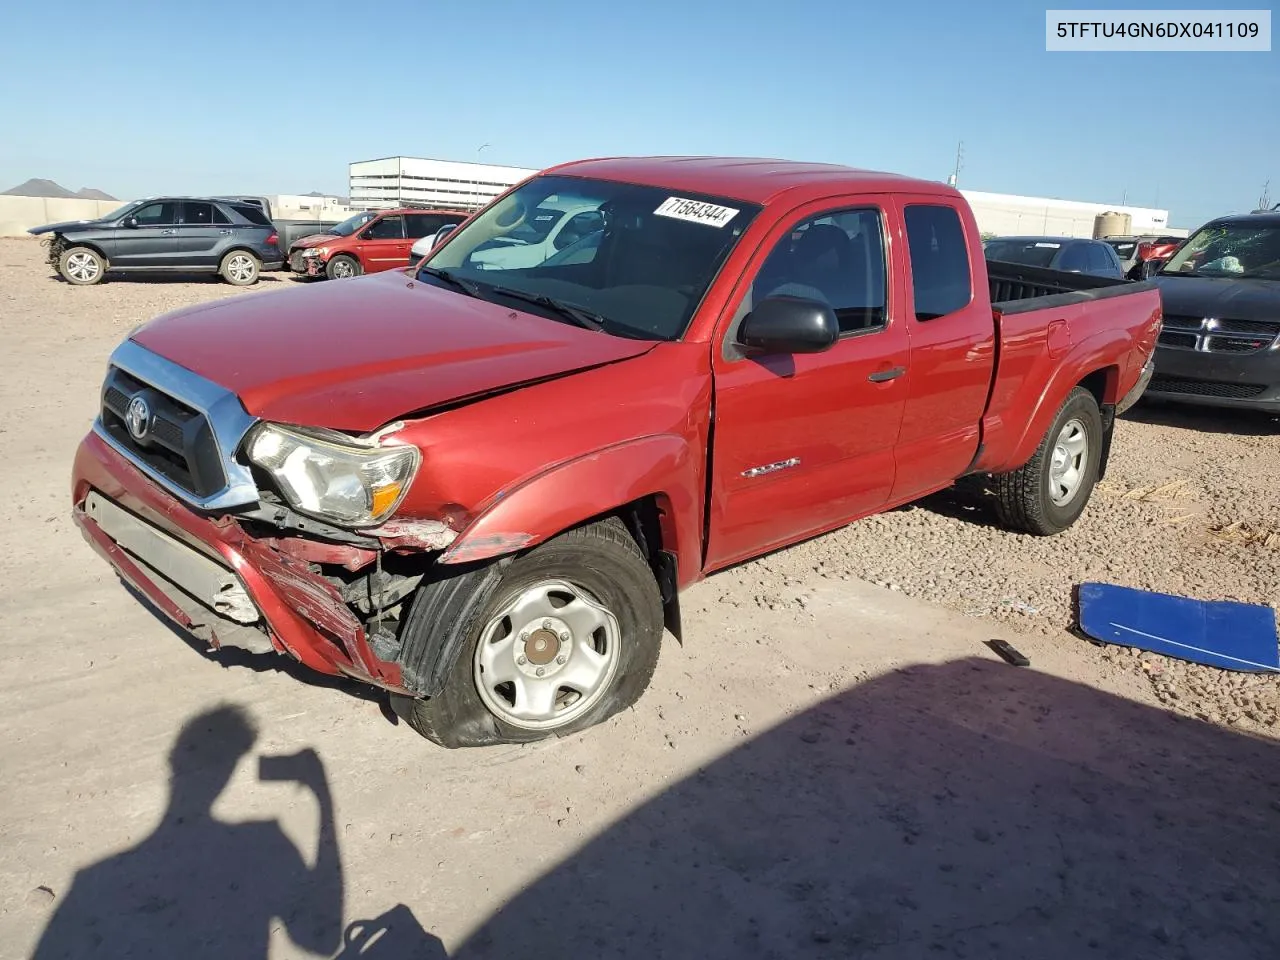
(1017, 287)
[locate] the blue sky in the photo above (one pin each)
(147, 97)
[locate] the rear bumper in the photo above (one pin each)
(171, 554)
(1243, 381)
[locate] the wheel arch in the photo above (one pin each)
(93, 245)
(653, 484)
(1091, 365)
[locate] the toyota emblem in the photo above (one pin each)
(137, 417)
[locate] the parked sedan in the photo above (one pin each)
(1068, 254)
(229, 237)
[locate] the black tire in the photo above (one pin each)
(342, 266)
(240, 268)
(82, 266)
(603, 560)
(1024, 501)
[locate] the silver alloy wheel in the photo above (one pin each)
(83, 267)
(240, 268)
(343, 269)
(1068, 463)
(547, 656)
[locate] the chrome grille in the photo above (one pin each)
(1218, 334)
(184, 432)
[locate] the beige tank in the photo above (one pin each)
(1112, 224)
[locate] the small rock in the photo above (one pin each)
(982, 835)
(739, 717)
(811, 736)
(821, 936)
(579, 768)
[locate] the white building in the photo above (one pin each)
(1008, 215)
(414, 181)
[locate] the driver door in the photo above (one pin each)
(151, 240)
(804, 443)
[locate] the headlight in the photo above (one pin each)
(315, 251)
(340, 481)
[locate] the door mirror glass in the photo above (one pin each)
(785, 324)
(131, 222)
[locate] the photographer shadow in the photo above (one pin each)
(198, 886)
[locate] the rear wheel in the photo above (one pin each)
(1051, 490)
(240, 267)
(569, 637)
(82, 266)
(342, 267)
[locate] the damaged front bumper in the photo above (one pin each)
(304, 265)
(222, 583)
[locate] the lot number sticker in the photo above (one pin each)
(695, 211)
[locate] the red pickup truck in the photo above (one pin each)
(481, 487)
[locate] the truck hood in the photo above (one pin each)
(64, 227)
(1223, 297)
(357, 354)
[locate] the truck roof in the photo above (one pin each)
(752, 179)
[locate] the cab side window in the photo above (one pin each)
(157, 214)
(196, 213)
(837, 259)
(940, 274)
(388, 228)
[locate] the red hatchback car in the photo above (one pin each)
(369, 242)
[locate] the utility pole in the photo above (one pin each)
(954, 179)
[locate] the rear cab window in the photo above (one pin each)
(941, 276)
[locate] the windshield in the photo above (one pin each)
(637, 258)
(1035, 253)
(349, 226)
(119, 212)
(1229, 250)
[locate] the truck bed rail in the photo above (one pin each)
(1017, 287)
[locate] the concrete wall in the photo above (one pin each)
(17, 214)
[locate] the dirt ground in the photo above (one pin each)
(832, 765)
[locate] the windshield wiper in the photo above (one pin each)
(466, 286)
(577, 315)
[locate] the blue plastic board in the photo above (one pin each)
(1220, 633)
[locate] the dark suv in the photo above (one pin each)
(232, 238)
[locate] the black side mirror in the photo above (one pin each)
(1151, 267)
(785, 324)
(131, 223)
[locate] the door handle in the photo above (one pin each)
(880, 376)
(167, 233)
(225, 233)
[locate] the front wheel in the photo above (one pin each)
(569, 637)
(342, 267)
(82, 266)
(240, 268)
(1048, 494)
